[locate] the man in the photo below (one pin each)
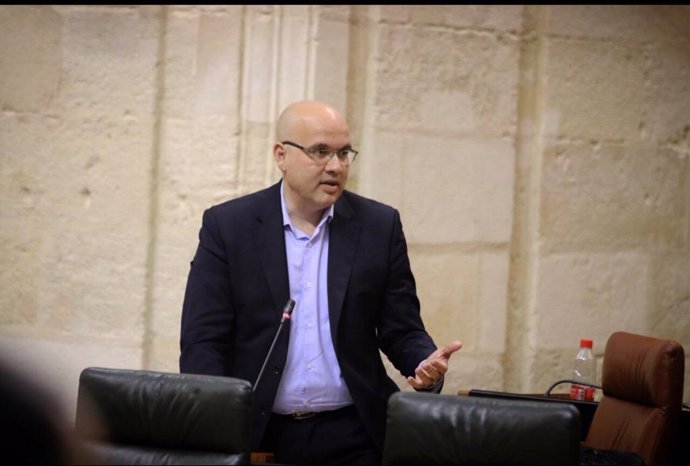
(343, 259)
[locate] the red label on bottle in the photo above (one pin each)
(581, 392)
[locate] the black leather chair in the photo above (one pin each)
(426, 428)
(144, 417)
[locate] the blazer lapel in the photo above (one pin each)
(270, 244)
(343, 238)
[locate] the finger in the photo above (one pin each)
(422, 375)
(451, 348)
(428, 373)
(414, 382)
(418, 382)
(437, 366)
(421, 382)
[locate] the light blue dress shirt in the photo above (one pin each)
(311, 379)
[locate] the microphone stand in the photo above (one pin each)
(287, 313)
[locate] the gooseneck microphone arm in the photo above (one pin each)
(287, 313)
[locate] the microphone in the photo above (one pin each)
(287, 313)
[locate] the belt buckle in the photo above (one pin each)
(300, 415)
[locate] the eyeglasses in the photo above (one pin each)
(323, 155)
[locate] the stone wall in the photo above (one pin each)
(538, 156)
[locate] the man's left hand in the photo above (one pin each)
(434, 366)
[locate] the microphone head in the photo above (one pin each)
(287, 310)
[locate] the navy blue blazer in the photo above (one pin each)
(238, 285)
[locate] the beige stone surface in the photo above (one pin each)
(35, 59)
(604, 293)
(599, 90)
(633, 23)
(605, 196)
(457, 292)
(447, 81)
(462, 188)
(538, 156)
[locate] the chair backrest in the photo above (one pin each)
(642, 383)
(427, 428)
(164, 418)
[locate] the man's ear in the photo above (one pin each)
(279, 156)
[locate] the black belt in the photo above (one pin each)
(302, 415)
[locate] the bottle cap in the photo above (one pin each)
(585, 343)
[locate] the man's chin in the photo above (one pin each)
(326, 199)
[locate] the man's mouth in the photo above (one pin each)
(330, 186)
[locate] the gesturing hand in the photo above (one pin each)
(435, 365)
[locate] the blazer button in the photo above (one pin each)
(276, 370)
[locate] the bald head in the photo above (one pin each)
(301, 119)
(305, 128)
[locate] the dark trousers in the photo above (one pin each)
(328, 438)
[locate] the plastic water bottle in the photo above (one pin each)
(585, 370)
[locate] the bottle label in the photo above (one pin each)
(581, 392)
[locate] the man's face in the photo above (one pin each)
(314, 185)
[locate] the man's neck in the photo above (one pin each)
(302, 215)
(305, 222)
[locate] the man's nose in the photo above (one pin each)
(334, 163)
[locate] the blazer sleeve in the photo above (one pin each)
(207, 313)
(402, 335)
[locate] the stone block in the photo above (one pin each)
(295, 73)
(199, 162)
(331, 52)
(477, 74)
(164, 352)
(484, 17)
(259, 65)
(594, 90)
(667, 117)
(581, 295)
(218, 62)
(457, 190)
(84, 223)
(670, 300)
(30, 62)
(448, 287)
(463, 295)
(20, 275)
(109, 60)
(468, 369)
(379, 168)
(634, 23)
(613, 197)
